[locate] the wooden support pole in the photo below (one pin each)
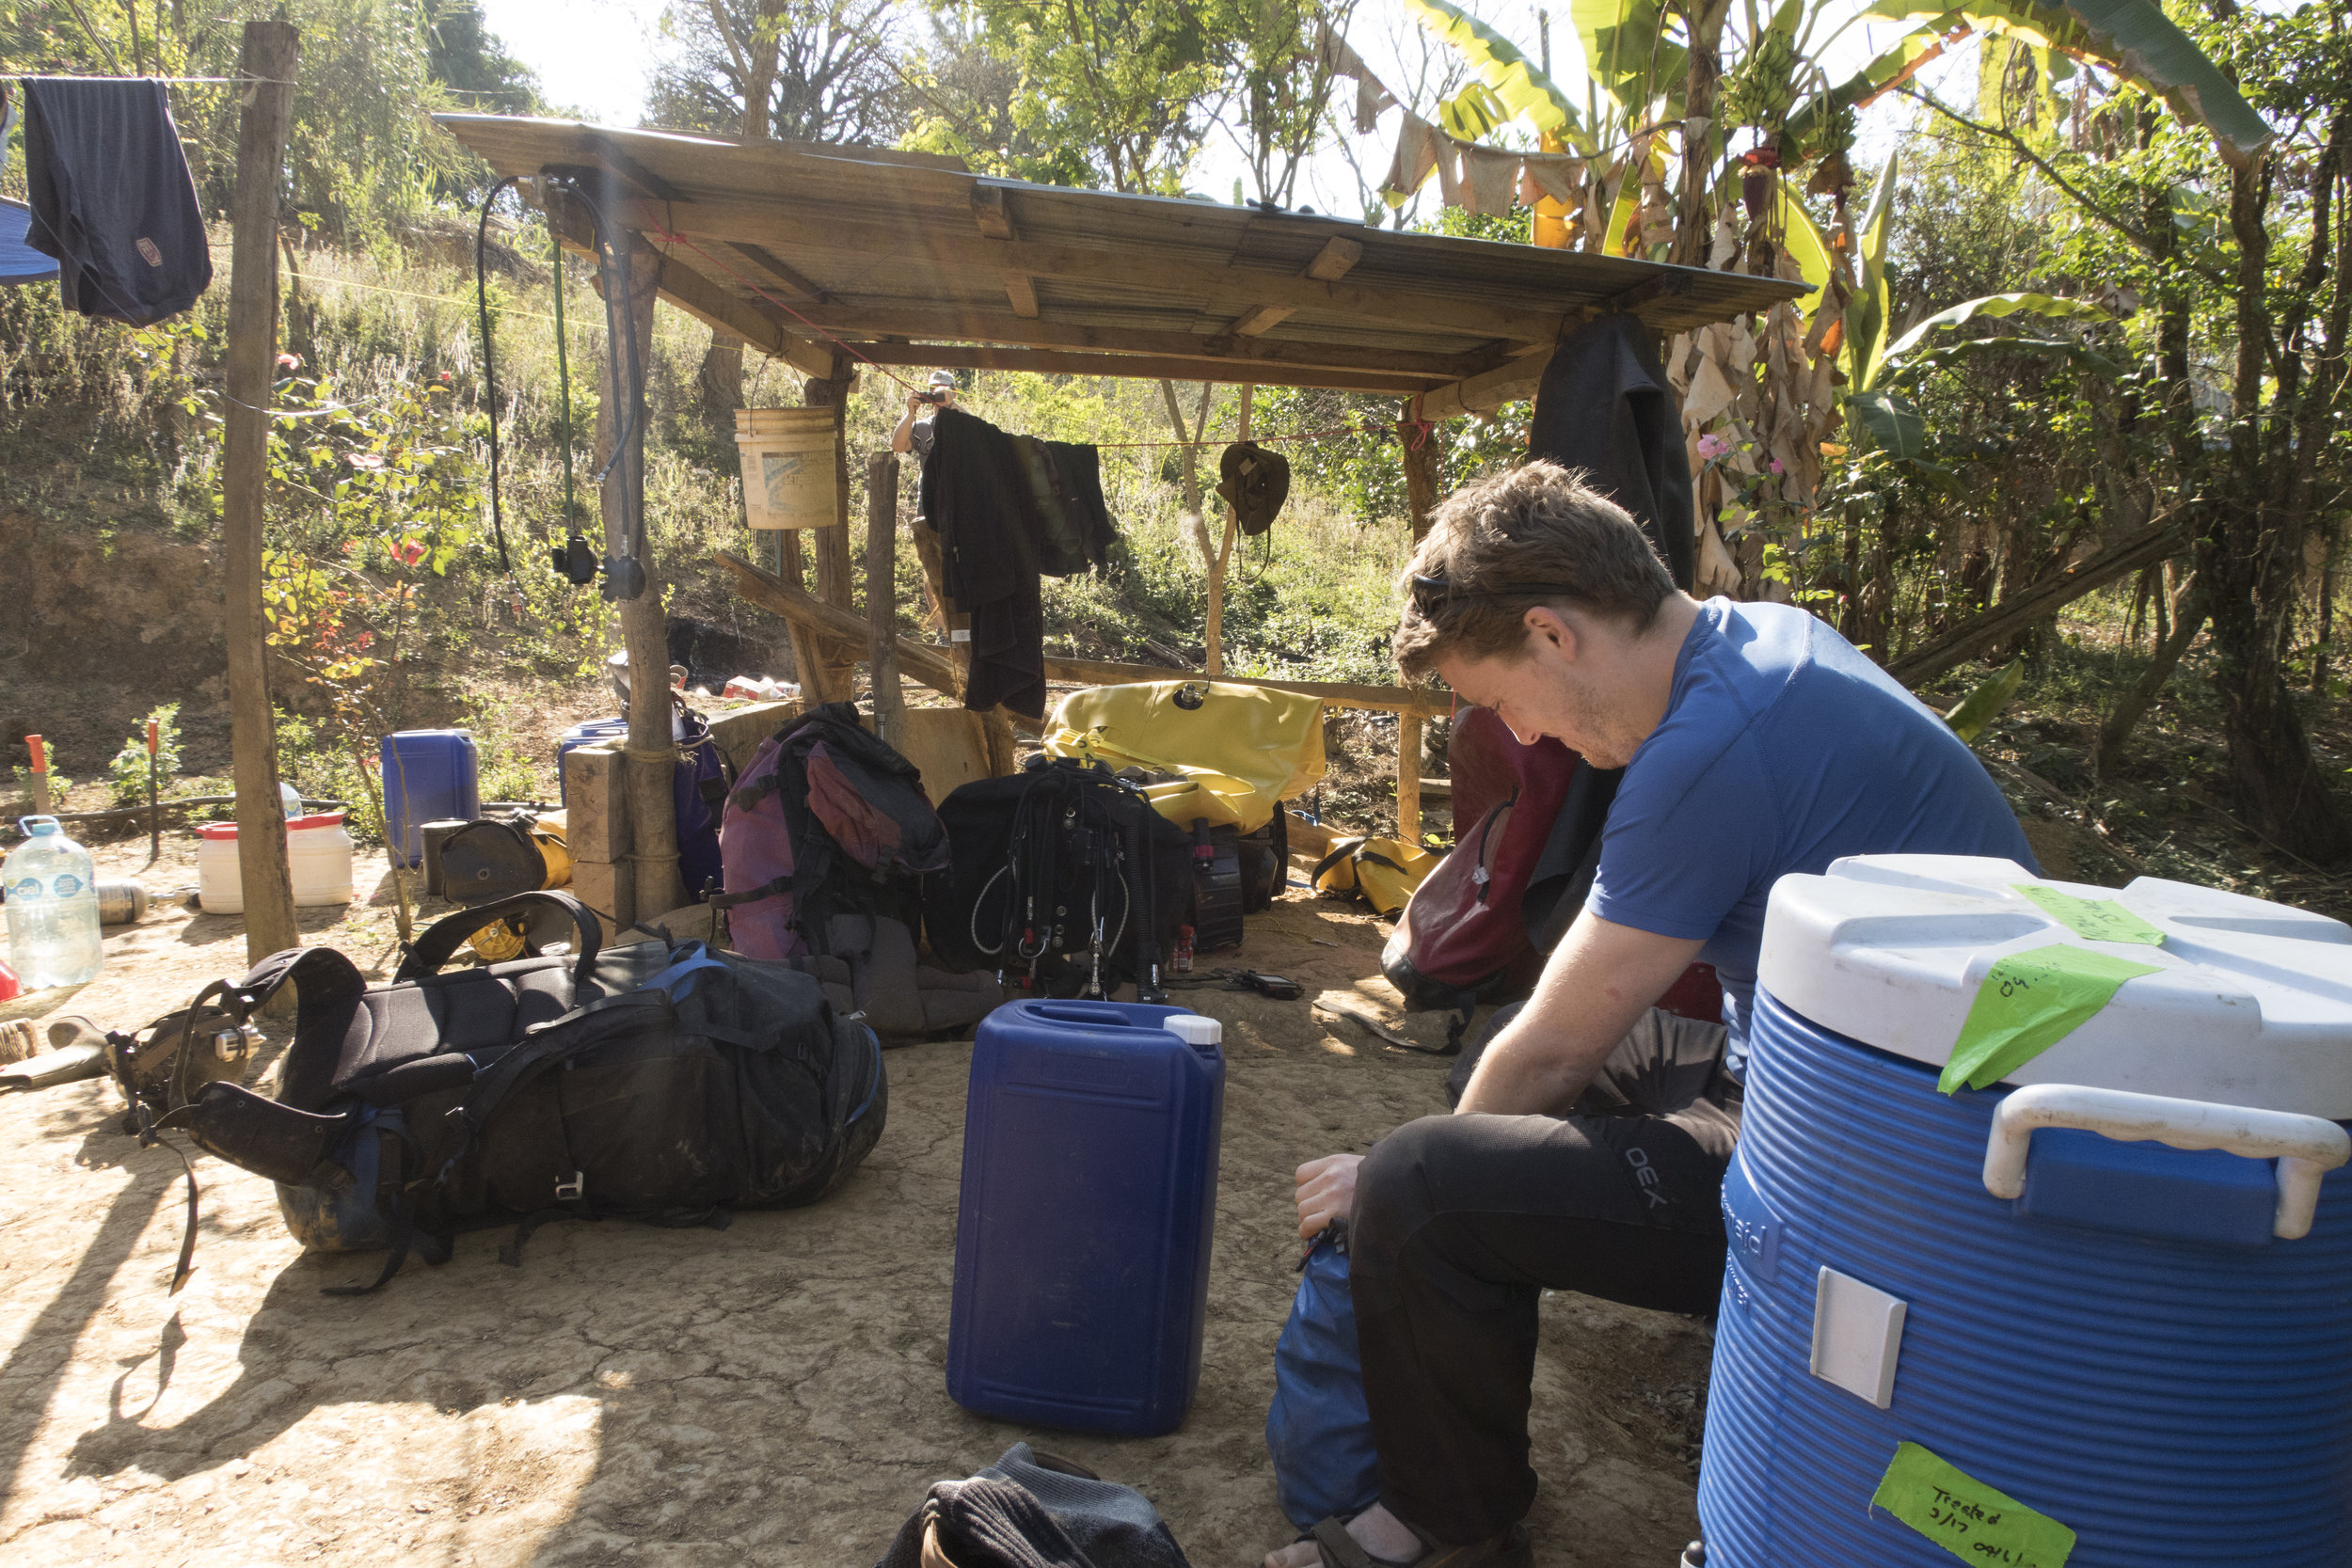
(882, 596)
(645, 628)
(832, 544)
(272, 50)
(1420, 473)
(1409, 777)
(808, 650)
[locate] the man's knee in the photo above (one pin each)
(1395, 1186)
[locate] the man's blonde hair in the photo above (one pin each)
(1531, 536)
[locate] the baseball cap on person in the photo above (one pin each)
(944, 378)
(1254, 482)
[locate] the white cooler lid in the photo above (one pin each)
(2252, 1007)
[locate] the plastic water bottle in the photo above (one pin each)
(52, 908)
(289, 801)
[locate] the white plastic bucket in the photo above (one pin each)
(789, 467)
(318, 853)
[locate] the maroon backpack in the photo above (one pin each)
(1463, 937)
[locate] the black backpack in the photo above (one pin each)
(664, 1081)
(1062, 879)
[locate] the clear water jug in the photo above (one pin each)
(52, 908)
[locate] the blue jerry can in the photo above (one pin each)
(2112, 1291)
(429, 776)
(1088, 1203)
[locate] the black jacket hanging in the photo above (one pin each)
(111, 199)
(1604, 406)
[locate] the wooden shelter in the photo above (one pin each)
(824, 256)
(920, 263)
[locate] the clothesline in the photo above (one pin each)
(185, 81)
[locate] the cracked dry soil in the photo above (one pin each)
(768, 1394)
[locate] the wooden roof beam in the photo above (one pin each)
(994, 221)
(995, 326)
(1331, 264)
(922, 248)
(1065, 362)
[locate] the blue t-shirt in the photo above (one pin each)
(1782, 749)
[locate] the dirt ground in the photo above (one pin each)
(769, 1394)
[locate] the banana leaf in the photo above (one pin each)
(2133, 37)
(1805, 241)
(1514, 79)
(1896, 426)
(1972, 713)
(1628, 53)
(1993, 305)
(1868, 312)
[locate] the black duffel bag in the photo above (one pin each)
(661, 1081)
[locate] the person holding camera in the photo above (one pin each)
(914, 429)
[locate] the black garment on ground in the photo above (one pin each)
(1604, 406)
(1461, 1222)
(111, 199)
(1009, 509)
(985, 1524)
(1035, 1510)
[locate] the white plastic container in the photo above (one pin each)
(53, 908)
(789, 467)
(318, 852)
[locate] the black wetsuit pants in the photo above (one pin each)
(1461, 1222)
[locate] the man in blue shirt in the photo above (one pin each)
(1588, 1150)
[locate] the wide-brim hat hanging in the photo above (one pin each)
(1254, 482)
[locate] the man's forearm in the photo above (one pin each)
(1599, 981)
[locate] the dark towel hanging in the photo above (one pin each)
(111, 199)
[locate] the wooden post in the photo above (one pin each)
(1213, 664)
(832, 544)
(882, 596)
(808, 649)
(1003, 759)
(40, 749)
(652, 748)
(1420, 473)
(1409, 777)
(267, 63)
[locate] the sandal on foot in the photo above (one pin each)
(1336, 1548)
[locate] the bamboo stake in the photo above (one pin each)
(882, 596)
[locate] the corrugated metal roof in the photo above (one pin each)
(793, 242)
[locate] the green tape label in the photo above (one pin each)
(2092, 919)
(1966, 1517)
(2028, 1003)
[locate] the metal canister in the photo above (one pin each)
(121, 903)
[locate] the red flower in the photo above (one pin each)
(408, 551)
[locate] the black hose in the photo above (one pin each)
(489, 370)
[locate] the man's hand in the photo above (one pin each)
(1326, 1191)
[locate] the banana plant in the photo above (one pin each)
(1894, 422)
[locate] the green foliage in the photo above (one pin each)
(128, 769)
(1985, 701)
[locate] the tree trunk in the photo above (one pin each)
(271, 53)
(1420, 471)
(652, 747)
(2109, 758)
(2252, 562)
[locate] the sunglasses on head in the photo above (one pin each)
(1432, 594)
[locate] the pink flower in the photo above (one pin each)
(290, 361)
(1712, 446)
(1776, 467)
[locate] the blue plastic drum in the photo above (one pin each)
(2145, 1345)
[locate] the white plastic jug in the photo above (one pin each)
(52, 885)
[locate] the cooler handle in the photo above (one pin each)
(2306, 1147)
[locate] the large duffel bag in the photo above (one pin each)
(661, 1081)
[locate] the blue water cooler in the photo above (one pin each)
(2108, 1298)
(429, 776)
(1088, 1207)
